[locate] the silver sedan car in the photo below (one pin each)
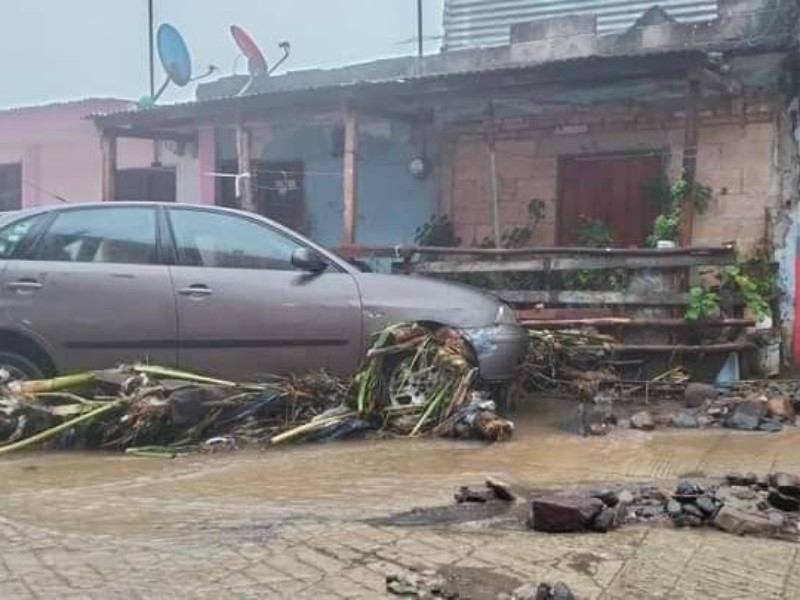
(213, 290)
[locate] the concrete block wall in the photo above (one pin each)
(735, 158)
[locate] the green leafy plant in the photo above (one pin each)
(703, 303)
(591, 232)
(749, 291)
(520, 235)
(665, 227)
(762, 269)
(669, 198)
(437, 231)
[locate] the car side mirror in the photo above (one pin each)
(308, 260)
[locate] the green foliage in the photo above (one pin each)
(520, 235)
(761, 268)
(438, 231)
(669, 198)
(703, 303)
(665, 227)
(591, 232)
(749, 290)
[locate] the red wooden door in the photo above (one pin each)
(609, 189)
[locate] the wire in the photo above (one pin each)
(37, 187)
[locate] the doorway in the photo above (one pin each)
(609, 189)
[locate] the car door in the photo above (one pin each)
(93, 288)
(245, 312)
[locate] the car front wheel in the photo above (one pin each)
(19, 367)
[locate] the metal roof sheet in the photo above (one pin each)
(482, 23)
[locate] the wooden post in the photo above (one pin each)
(689, 156)
(244, 188)
(493, 181)
(350, 164)
(108, 151)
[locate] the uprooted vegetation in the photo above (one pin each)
(147, 409)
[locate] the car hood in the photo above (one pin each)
(389, 299)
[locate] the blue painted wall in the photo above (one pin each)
(391, 202)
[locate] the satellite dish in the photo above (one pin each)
(174, 55)
(256, 63)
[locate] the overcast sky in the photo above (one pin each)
(53, 50)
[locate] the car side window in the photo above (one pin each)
(125, 235)
(210, 239)
(12, 235)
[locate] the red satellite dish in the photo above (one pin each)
(256, 63)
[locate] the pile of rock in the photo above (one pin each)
(743, 504)
(543, 591)
(768, 409)
(432, 585)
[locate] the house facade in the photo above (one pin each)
(51, 153)
(585, 122)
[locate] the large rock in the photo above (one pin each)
(741, 522)
(674, 508)
(706, 504)
(696, 394)
(781, 407)
(783, 502)
(560, 591)
(739, 479)
(747, 415)
(787, 484)
(770, 425)
(684, 420)
(558, 514)
(643, 420)
(605, 520)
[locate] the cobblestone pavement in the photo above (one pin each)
(297, 522)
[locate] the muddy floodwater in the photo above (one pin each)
(285, 522)
(364, 477)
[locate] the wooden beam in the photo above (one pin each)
(350, 185)
(152, 134)
(570, 264)
(108, 151)
(670, 349)
(406, 252)
(691, 124)
(244, 188)
(593, 298)
(632, 323)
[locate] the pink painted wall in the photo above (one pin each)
(60, 153)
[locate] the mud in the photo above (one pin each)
(365, 479)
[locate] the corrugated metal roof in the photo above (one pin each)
(471, 23)
(387, 84)
(90, 105)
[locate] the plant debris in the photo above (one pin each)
(149, 410)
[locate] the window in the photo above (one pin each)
(11, 236)
(277, 188)
(10, 187)
(153, 184)
(105, 235)
(210, 239)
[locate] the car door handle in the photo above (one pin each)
(25, 285)
(196, 290)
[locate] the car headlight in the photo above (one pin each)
(506, 315)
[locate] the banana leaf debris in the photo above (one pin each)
(416, 380)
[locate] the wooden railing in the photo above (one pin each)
(549, 261)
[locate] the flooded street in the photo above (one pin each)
(292, 522)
